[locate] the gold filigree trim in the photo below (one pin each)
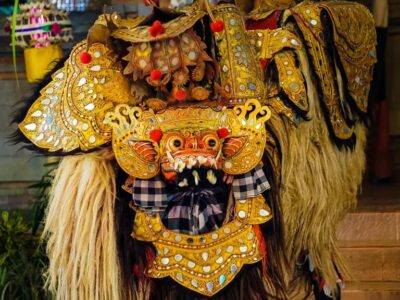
(241, 74)
(204, 263)
(269, 42)
(69, 113)
(173, 29)
(356, 51)
(308, 17)
(291, 79)
(169, 56)
(132, 124)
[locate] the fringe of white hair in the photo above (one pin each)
(81, 232)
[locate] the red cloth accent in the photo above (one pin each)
(322, 285)
(271, 22)
(136, 270)
(150, 256)
(263, 247)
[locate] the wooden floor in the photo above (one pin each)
(369, 239)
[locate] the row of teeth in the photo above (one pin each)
(211, 177)
(180, 164)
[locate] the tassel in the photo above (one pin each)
(263, 247)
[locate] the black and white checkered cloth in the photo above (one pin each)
(195, 211)
(150, 194)
(250, 185)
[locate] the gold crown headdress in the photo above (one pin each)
(70, 113)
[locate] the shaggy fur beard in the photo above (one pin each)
(319, 184)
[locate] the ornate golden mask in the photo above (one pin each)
(141, 157)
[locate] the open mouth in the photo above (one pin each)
(199, 166)
(198, 177)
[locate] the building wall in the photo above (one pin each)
(20, 168)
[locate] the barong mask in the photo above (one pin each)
(192, 142)
(207, 147)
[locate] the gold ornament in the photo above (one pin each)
(168, 55)
(199, 93)
(356, 51)
(241, 74)
(323, 66)
(132, 125)
(291, 79)
(173, 28)
(269, 42)
(209, 262)
(69, 113)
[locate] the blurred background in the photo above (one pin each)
(369, 237)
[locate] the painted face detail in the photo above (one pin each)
(188, 150)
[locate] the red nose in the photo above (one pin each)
(191, 143)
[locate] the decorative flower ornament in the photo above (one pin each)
(40, 29)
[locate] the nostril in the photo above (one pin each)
(191, 144)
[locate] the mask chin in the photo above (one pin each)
(198, 204)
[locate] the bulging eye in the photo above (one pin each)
(211, 142)
(175, 143)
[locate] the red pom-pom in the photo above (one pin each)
(223, 133)
(85, 57)
(153, 31)
(156, 29)
(155, 75)
(180, 95)
(217, 26)
(156, 135)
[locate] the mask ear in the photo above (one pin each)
(233, 145)
(144, 149)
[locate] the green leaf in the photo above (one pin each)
(4, 216)
(13, 38)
